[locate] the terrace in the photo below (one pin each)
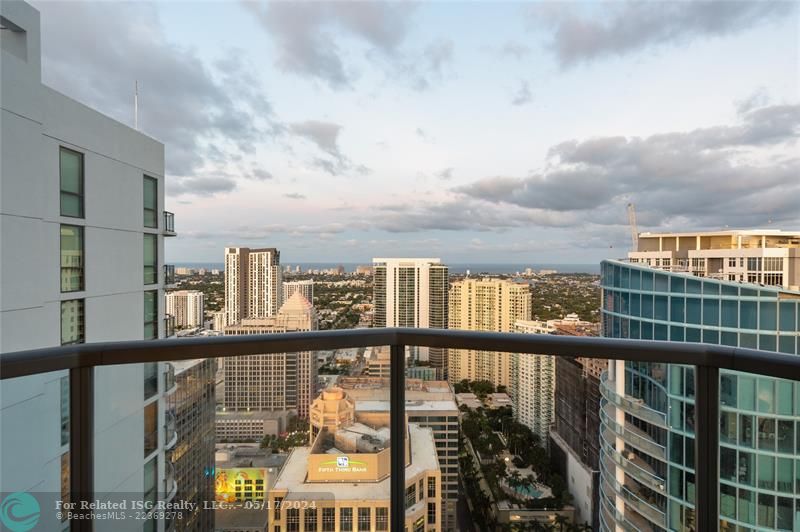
(83, 361)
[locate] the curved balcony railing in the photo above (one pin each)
(632, 406)
(170, 485)
(629, 434)
(170, 432)
(81, 360)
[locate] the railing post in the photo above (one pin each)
(81, 442)
(397, 509)
(706, 461)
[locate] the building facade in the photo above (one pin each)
(412, 293)
(252, 283)
(82, 230)
(346, 471)
(278, 381)
(647, 413)
(533, 382)
(488, 304)
(186, 306)
(429, 404)
(191, 459)
(305, 287)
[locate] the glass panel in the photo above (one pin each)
(693, 310)
(787, 311)
(150, 314)
(72, 322)
(71, 178)
(766, 395)
(710, 312)
(727, 390)
(150, 202)
(766, 472)
(785, 399)
(661, 308)
(747, 509)
(728, 431)
(730, 313)
(746, 430)
(768, 316)
(747, 468)
(748, 314)
(677, 309)
(71, 258)
(150, 258)
(150, 428)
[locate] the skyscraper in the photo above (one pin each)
(277, 381)
(252, 283)
(412, 293)
(532, 384)
(736, 288)
(186, 306)
(82, 226)
(485, 305)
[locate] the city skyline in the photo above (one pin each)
(580, 112)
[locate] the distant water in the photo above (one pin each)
(474, 268)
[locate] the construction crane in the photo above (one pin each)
(634, 229)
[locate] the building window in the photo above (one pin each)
(151, 314)
(431, 513)
(364, 519)
(150, 258)
(150, 428)
(72, 326)
(151, 480)
(150, 379)
(71, 178)
(71, 258)
(293, 520)
(64, 410)
(381, 519)
(150, 202)
(411, 495)
(346, 519)
(431, 487)
(310, 518)
(329, 519)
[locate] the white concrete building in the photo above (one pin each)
(82, 230)
(305, 287)
(412, 293)
(533, 385)
(186, 306)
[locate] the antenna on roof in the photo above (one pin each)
(136, 105)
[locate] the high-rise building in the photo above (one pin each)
(346, 473)
(429, 404)
(532, 383)
(278, 381)
(412, 293)
(487, 304)
(186, 306)
(305, 287)
(252, 283)
(734, 288)
(190, 420)
(82, 227)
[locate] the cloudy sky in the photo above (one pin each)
(477, 132)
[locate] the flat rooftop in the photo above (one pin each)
(411, 406)
(728, 232)
(293, 476)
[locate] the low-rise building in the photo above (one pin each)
(233, 426)
(342, 480)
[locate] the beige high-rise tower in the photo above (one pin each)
(485, 305)
(252, 283)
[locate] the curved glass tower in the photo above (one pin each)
(647, 410)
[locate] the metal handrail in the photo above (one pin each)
(81, 359)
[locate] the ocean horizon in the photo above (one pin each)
(474, 268)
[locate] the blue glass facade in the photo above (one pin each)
(654, 446)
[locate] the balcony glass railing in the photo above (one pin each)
(414, 483)
(169, 325)
(169, 274)
(169, 223)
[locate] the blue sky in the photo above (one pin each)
(484, 132)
